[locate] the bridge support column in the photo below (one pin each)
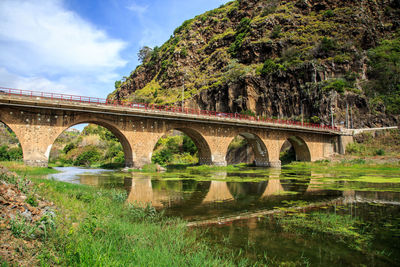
(219, 148)
(142, 143)
(36, 142)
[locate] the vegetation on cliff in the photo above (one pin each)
(271, 57)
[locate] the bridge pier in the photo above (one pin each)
(275, 164)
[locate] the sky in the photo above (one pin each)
(82, 47)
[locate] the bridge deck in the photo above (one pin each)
(97, 105)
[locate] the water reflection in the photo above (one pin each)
(222, 196)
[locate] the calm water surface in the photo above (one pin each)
(233, 208)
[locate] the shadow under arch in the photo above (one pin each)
(191, 192)
(128, 153)
(204, 151)
(301, 150)
(247, 191)
(14, 141)
(295, 181)
(261, 157)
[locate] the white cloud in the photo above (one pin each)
(140, 10)
(43, 44)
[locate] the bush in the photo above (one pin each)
(241, 33)
(88, 157)
(379, 152)
(384, 74)
(328, 13)
(270, 67)
(276, 31)
(10, 154)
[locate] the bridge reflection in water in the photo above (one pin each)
(194, 200)
(222, 196)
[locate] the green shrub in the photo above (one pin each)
(10, 154)
(379, 152)
(276, 31)
(327, 44)
(339, 85)
(315, 119)
(88, 157)
(384, 74)
(270, 67)
(68, 147)
(241, 33)
(328, 13)
(184, 26)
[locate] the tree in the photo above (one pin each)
(144, 53)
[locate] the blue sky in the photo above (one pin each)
(82, 47)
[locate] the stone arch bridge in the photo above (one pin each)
(38, 119)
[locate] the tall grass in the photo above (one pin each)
(97, 228)
(21, 169)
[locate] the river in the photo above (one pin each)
(238, 211)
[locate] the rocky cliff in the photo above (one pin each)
(276, 58)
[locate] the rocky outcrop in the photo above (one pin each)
(272, 58)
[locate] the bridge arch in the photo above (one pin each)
(17, 141)
(299, 147)
(126, 146)
(204, 151)
(261, 156)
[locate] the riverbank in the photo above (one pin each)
(94, 227)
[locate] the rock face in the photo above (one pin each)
(243, 154)
(273, 58)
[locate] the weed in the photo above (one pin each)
(118, 195)
(21, 228)
(31, 200)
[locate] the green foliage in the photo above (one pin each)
(384, 74)
(247, 112)
(68, 147)
(234, 72)
(271, 67)
(144, 53)
(143, 212)
(327, 45)
(117, 84)
(241, 33)
(342, 228)
(338, 85)
(118, 195)
(184, 52)
(380, 152)
(31, 200)
(184, 26)
(315, 119)
(107, 231)
(328, 13)
(88, 157)
(10, 154)
(276, 32)
(21, 228)
(174, 150)
(270, 8)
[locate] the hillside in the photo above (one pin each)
(267, 57)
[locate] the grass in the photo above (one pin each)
(21, 169)
(343, 228)
(348, 165)
(95, 227)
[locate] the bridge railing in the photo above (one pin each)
(153, 107)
